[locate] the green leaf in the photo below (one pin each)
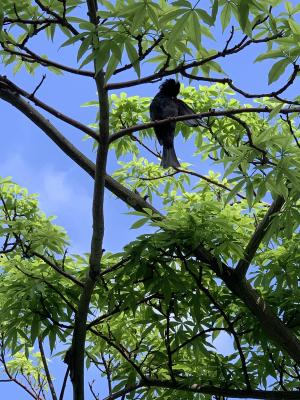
(55, 70)
(88, 59)
(179, 27)
(225, 16)
(102, 55)
(35, 328)
(152, 11)
(50, 31)
(74, 39)
(139, 223)
(111, 66)
(170, 16)
(117, 49)
(235, 191)
(138, 18)
(277, 70)
(273, 24)
(194, 30)
(86, 25)
(205, 16)
(289, 7)
(270, 54)
(84, 47)
(243, 11)
(1, 18)
(17, 66)
(10, 60)
(214, 10)
(275, 111)
(133, 57)
(131, 9)
(207, 32)
(249, 193)
(52, 339)
(295, 27)
(281, 52)
(216, 67)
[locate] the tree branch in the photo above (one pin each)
(142, 55)
(63, 388)
(259, 234)
(288, 121)
(79, 334)
(211, 113)
(12, 378)
(239, 286)
(32, 57)
(210, 390)
(63, 21)
(229, 82)
(249, 136)
(179, 69)
(57, 268)
(47, 372)
(231, 329)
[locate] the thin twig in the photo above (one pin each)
(46, 368)
(288, 121)
(64, 384)
(229, 82)
(38, 86)
(13, 379)
(57, 268)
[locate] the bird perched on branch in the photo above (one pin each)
(164, 105)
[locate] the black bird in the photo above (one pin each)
(164, 105)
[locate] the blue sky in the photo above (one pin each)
(64, 190)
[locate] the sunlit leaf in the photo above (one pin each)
(277, 70)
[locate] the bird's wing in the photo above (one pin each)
(184, 109)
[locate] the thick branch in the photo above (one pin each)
(259, 234)
(239, 286)
(79, 335)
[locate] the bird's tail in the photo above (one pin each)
(169, 158)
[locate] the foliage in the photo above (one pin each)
(160, 310)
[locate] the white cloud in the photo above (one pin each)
(14, 166)
(56, 188)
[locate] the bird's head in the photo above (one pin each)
(170, 87)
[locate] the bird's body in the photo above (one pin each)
(165, 105)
